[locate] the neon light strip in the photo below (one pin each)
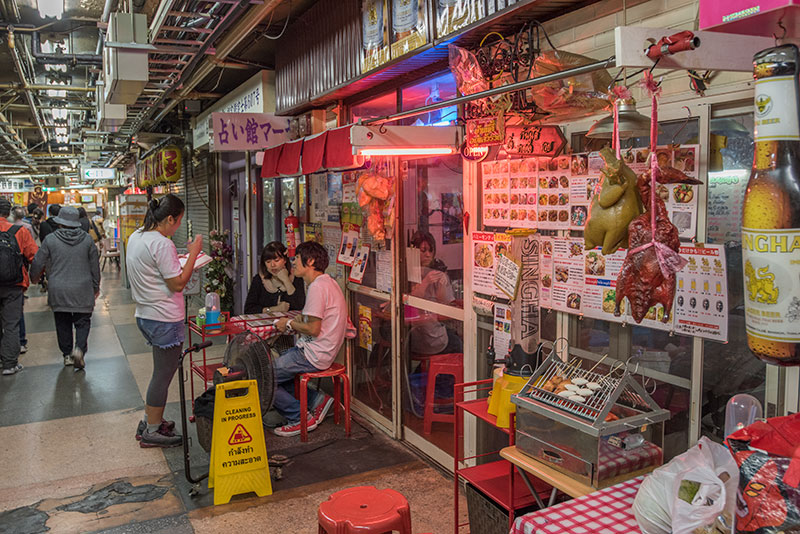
(408, 151)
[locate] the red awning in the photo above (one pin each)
(289, 164)
(329, 150)
(269, 168)
(313, 152)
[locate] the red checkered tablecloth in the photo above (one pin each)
(263, 324)
(607, 511)
(615, 461)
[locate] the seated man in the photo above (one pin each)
(322, 329)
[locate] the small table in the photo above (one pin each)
(526, 464)
(607, 511)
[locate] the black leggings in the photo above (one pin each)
(165, 363)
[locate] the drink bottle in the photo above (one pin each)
(771, 212)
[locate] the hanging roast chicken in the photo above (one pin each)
(614, 207)
(642, 278)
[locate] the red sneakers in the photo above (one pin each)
(322, 409)
(290, 430)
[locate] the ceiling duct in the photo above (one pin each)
(60, 59)
(125, 70)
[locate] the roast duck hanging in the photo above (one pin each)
(614, 207)
(647, 277)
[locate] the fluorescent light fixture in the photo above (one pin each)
(407, 151)
(51, 8)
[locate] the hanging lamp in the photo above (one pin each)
(631, 123)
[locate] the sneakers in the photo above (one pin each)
(23, 349)
(77, 358)
(167, 426)
(17, 368)
(162, 437)
(322, 409)
(68, 360)
(290, 429)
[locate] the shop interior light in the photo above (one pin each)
(631, 123)
(407, 151)
(51, 8)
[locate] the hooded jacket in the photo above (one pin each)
(73, 270)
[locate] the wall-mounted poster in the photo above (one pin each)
(374, 34)
(409, 26)
(452, 15)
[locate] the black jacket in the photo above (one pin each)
(259, 298)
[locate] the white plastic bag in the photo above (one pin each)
(659, 510)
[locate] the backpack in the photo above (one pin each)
(11, 261)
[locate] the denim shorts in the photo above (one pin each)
(161, 334)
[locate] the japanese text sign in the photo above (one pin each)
(247, 131)
(160, 167)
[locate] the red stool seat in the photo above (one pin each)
(338, 373)
(441, 364)
(364, 510)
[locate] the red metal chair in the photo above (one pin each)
(338, 374)
(364, 510)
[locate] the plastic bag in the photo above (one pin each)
(689, 492)
(769, 475)
(577, 95)
(466, 70)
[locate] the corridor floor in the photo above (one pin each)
(72, 463)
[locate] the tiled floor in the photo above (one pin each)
(71, 463)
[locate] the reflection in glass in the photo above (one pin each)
(729, 368)
(269, 212)
(372, 354)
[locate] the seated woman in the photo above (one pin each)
(274, 288)
(431, 336)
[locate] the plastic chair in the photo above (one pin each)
(108, 252)
(364, 510)
(338, 374)
(441, 364)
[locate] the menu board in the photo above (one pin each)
(701, 298)
(502, 330)
(546, 270)
(486, 250)
(585, 179)
(554, 188)
(523, 193)
(600, 283)
(680, 199)
(568, 280)
(496, 193)
(725, 194)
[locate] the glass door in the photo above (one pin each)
(432, 288)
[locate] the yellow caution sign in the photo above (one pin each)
(238, 452)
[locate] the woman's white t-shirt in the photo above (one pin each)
(151, 259)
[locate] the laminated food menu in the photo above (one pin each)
(554, 188)
(600, 283)
(585, 171)
(568, 279)
(546, 270)
(496, 193)
(701, 298)
(523, 193)
(486, 248)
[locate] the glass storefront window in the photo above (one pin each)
(729, 169)
(433, 226)
(437, 89)
(379, 106)
(372, 354)
(270, 225)
(288, 194)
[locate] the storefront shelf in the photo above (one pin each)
(492, 480)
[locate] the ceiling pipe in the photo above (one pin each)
(61, 59)
(109, 5)
(28, 87)
(12, 47)
(234, 37)
(221, 29)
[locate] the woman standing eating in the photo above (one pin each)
(274, 288)
(157, 281)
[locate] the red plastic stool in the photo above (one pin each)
(364, 510)
(338, 374)
(441, 364)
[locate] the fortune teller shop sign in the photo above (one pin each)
(247, 131)
(532, 140)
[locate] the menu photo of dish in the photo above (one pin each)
(496, 193)
(568, 267)
(681, 199)
(483, 259)
(600, 283)
(554, 191)
(546, 271)
(523, 193)
(581, 191)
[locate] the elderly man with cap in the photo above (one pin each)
(17, 249)
(72, 263)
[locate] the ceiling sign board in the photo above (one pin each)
(532, 140)
(93, 174)
(247, 131)
(486, 131)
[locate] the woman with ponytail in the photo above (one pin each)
(157, 281)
